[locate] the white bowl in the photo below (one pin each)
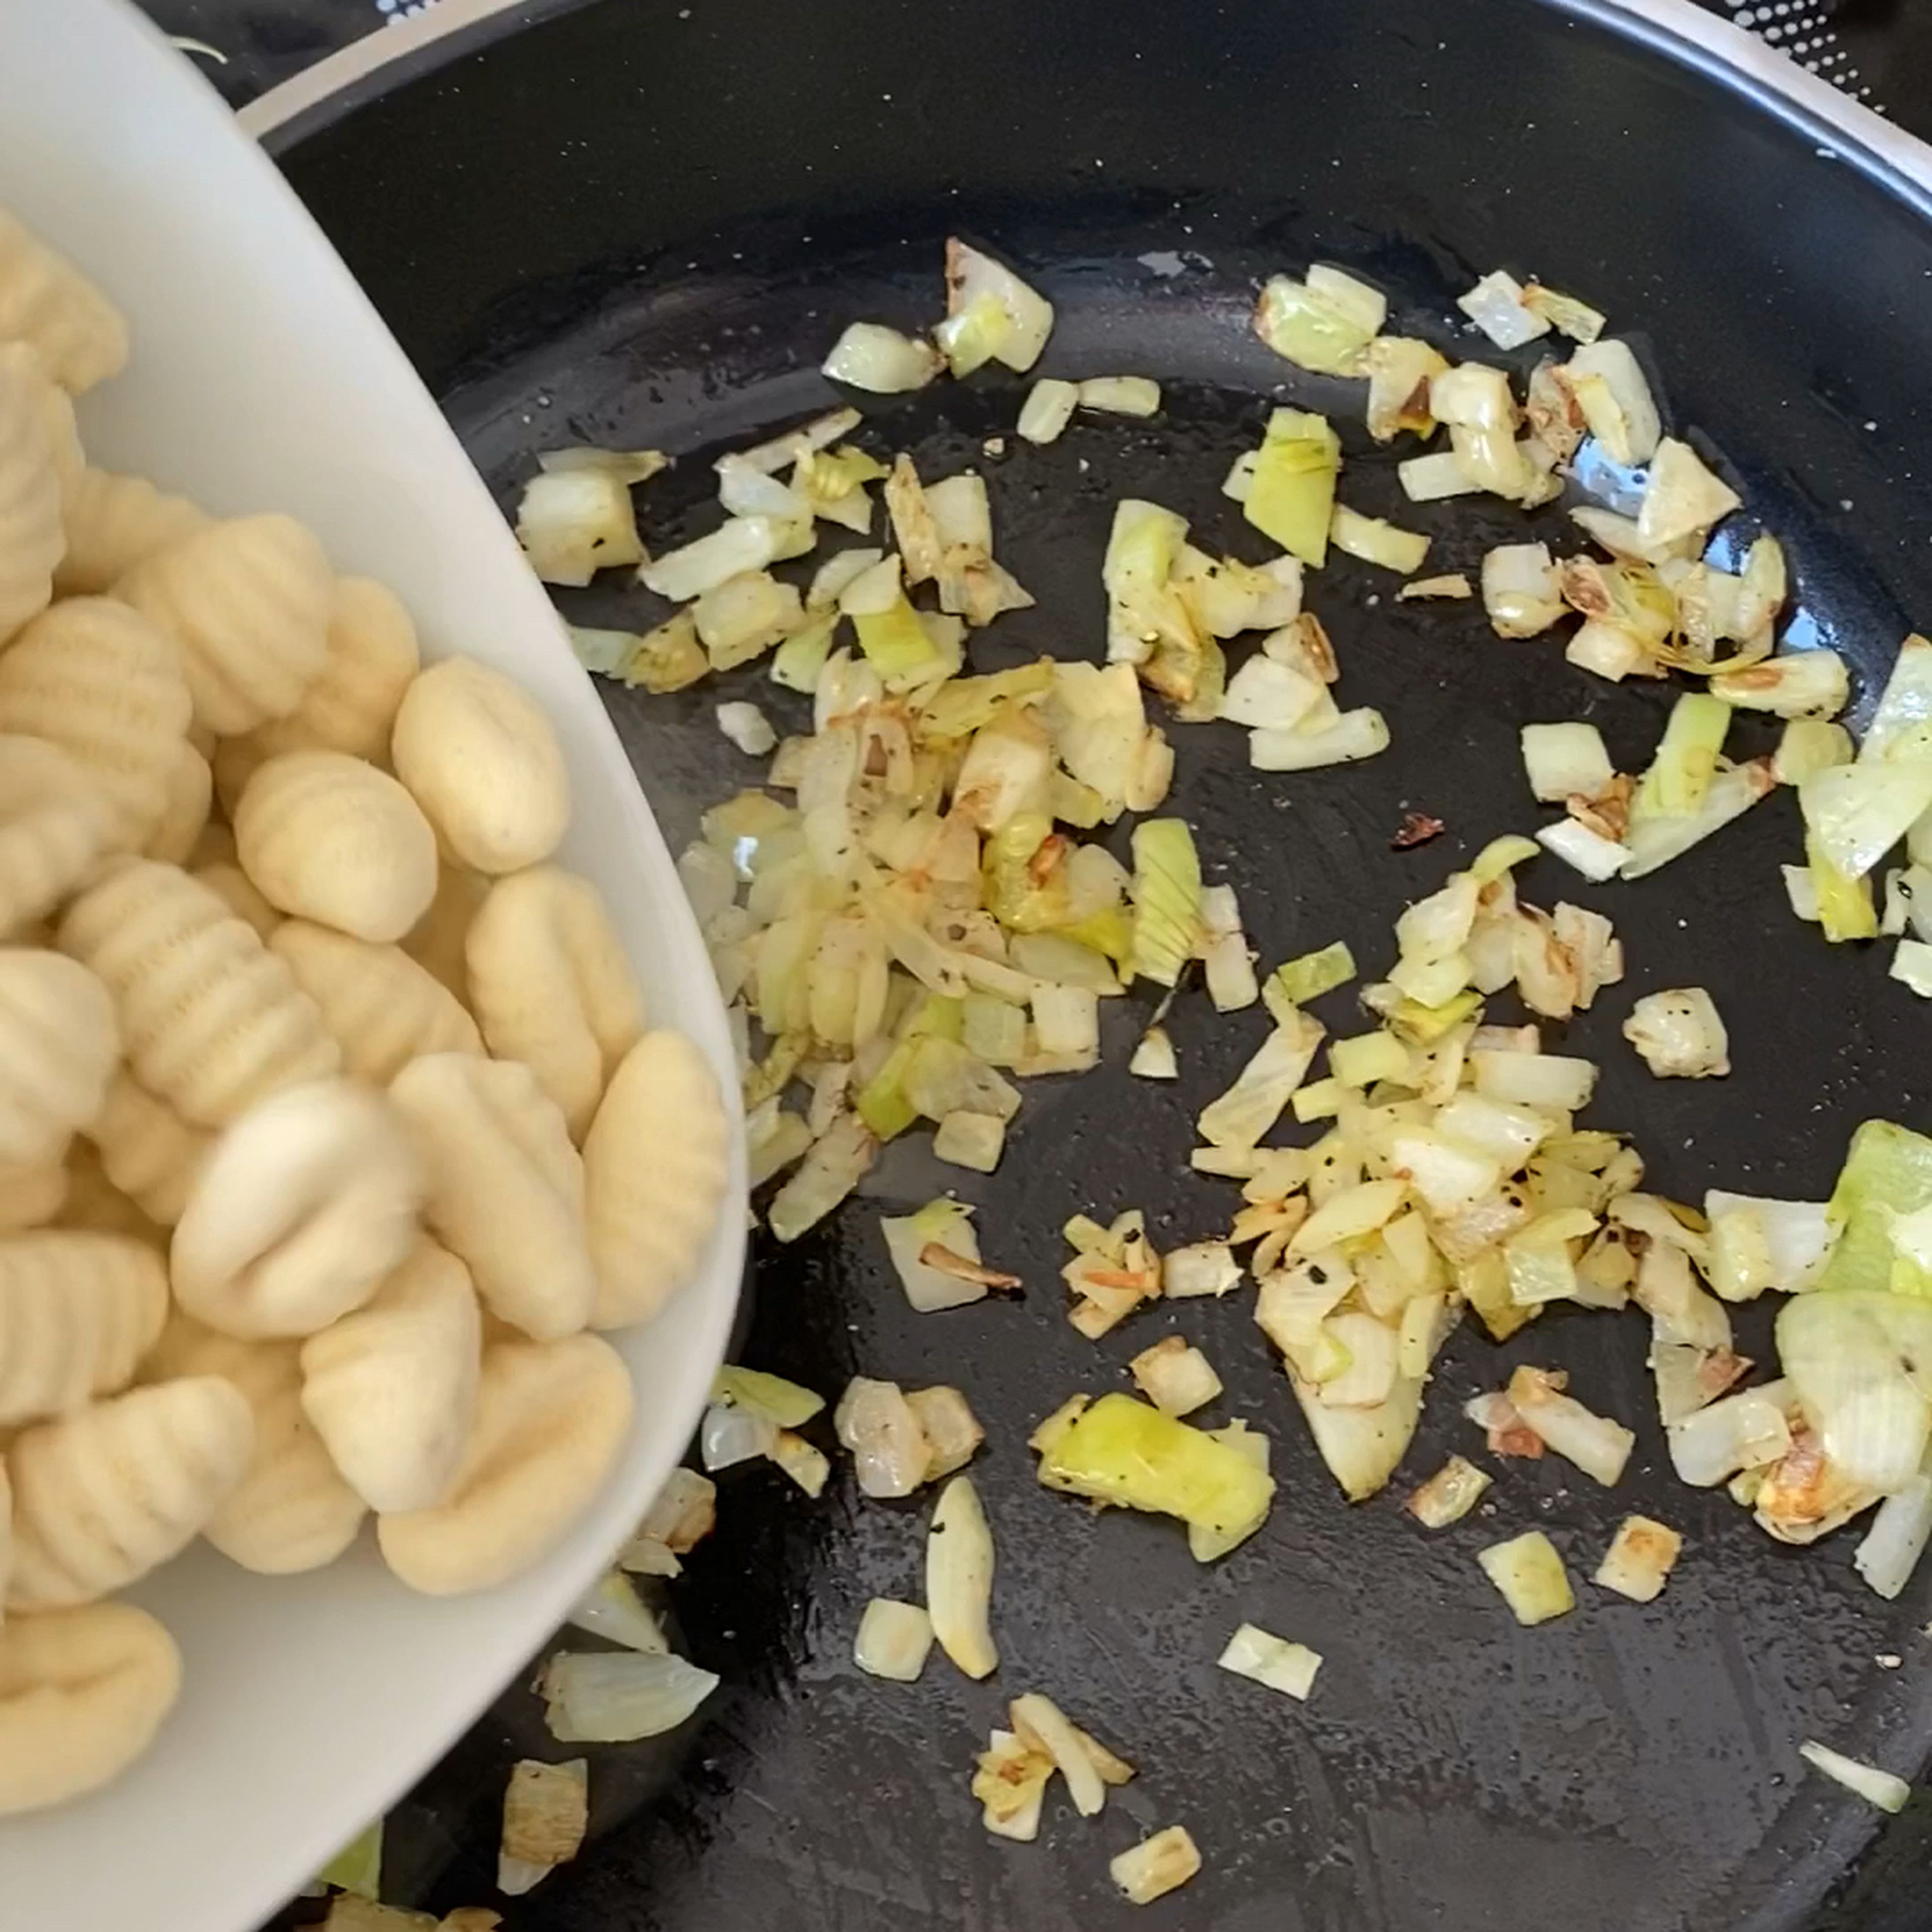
(261, 379)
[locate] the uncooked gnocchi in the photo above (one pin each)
(102, 1496)
(147, 1150)
(210, 1020)
(83, 1693)
(247, 600)
(30, 1196)
(351, 706)
(55, 407)
(112, 523)
(506, 1186)
(392, 1389)
(80, 336)
(30, 506)
(292, 1511)
(77, 1312)
(236, 891)
(384, 1009)
(551, 987)
(58, 1044)
(55, 825)
(550, 1418)
(656, 1162)
(327, 837)
(297, 1212)
(94, 1205)
(483, 762)
(185, 811)
(441, 937)
(106, 685)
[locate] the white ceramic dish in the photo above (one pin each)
(261, 379)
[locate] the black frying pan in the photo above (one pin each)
(644, 224)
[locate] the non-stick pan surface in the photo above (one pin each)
(641, 225)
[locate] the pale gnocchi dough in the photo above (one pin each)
(30, 1196)
(30, 506)
(190, 797)
(147, 1150)
(95, 1206)
(103, 684)
(351, 706)
(392, 1389)
(58, 1045)
(550, 985)
(102, 1496)
(655, 1163)
(292, 1511)
(440, 938)
(236, 891)
(384, 1009)
(327, 837)
(77, 1312)
(79, 336)
(297, 1213)
(55, 407)
(483, 761)
(551, 1418)
(505, 1188)
(247, 600)
(56, 824)
(83, 1694)
(112, 522)
(210, 1020)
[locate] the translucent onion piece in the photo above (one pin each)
(1564, 759)
(729, 1436)
(1354, 735)
(574, 523)
(1679, 1034)
(1176, 1377)
(1891, 1547)
(894, 1640)
(1289, 1668)
(1314, 329)
(1048, 409)
(747, 727)
(1854, 1358)
(1589, 853)
(944, 1224)
(1450, 1494)
(1858, 813)
(959, 1578)
(1496, 306)
(1876, 1787)
(1376, 541)
(1120, 395)
(990, 313)
(1156, 1866)
(1741, 1431)
(546, 1812)
(1614, 395)
(1683, 498)
(743, 544)
(1640, 1558)
(870, 356)
(890, 1450)
(1530, 1574)
(612, 1608)
(614, 1696)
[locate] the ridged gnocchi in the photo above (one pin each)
(83, 1693)
(58, 1044)
(236, 891)
(55, 407)
(30, 506)
(55, 826)
(292, 1511)
(79, 336)
(327, 837)
(505, 1187)
(656, 1162)
(147, 1150)
(247, 600)
(440, 938)
(102, 1496)
(210, 1020)
(483, 761)
(77, 1312)
(351, 706)
(550, 985)
(392, 1389)
(550, 1418)
(297, 1213)
(185, 811)
(112, 522)
(103, 684)
(30, 1196)
(384, 1009)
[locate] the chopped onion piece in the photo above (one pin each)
(1040, 1723)
(1576, 319)
(1292, 494)
(628, 465)
(1876, 1787)
(1297, 981)
(1154, 1058)
(837, 573)
(1496, 306)
(1858, 813)
(1289, 1668)
(1430, 479)
(1741, 1431)
(991, 314)
(1911, 965)
(1530, 1574)
(1156, 1866)
(1687, 757)
(574, 523)
(614, 1697)
(612, 1608)
(1354, 735)
(1806, 684)
(1203, 1267)
(1474, 400)
(1009, 1781)
(1400, 371)
(830, 1170)
(1683, 499)
(974, 1141)
(1120, 395)
(1679, 1034)
(358, 1867)
(819, 434)
(1454, 585)
(785, 1405)
(1048, 409)
(890, 1450)
(1562, 760)
(1176, 1377)
(743, 544)
(1167, 899)
(1898, 726)
(684, 1512)
(1655, 839)
(1324, 325)
(959, 1578)
(1119, 1450)
(729, 1436)
(1853, 1356)
(870, 356)
(546, 1813)
(1640, 1558)
(1547, 1081)
(1249, 1107)
(1757, 1243)
(1266, 693)
(1375, 541)
(1891, 1547)
(894, 1640)
(1596, 857)
(1614, 395)
(952, 1431)
(1597, 1445)
(1450, 1494)
(747, 727)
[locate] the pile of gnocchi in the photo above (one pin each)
(331, 1129)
